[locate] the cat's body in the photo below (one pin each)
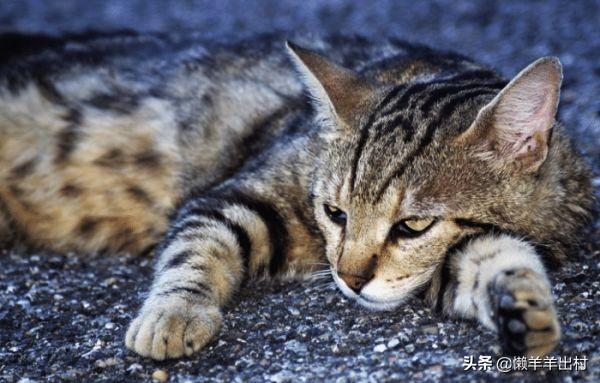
(106, 142)
(160, 121)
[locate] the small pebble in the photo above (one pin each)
(135, 367)
(380, 348)
(108, 362)
(109, 326)
(393, 343)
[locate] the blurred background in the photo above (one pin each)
(506, 34)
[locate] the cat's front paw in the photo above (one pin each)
(172, 329)
(524, 313)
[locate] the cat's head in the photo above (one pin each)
(410, 169)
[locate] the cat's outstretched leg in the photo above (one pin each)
(202, 261)
(500, 281)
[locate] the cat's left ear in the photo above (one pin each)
(515, 126)
(338, 92)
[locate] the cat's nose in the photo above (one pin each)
(355, 282)
(356, 275)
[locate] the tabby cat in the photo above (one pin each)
(410, 171)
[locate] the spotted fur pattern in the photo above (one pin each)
(214, 153)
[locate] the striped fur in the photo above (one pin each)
(408, 170)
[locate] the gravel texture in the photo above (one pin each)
(63, 317)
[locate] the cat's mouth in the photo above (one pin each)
(377, 299)
(366, 300)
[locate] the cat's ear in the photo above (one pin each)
(338, 92)
(515, 126)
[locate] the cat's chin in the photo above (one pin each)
(378, 305)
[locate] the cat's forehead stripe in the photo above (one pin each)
(446, 110)
(392, 113)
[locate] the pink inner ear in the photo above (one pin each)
(523, 118)
(514, 128)
(533, 142)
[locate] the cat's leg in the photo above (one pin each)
(202, 261)
(500, 281)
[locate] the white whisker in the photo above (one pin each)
(327, 285)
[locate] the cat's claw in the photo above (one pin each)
(172, 330)
(524, 314)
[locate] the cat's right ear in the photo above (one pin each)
(338, 92)
(514, 128)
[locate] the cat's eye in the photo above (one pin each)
(418, 224)
(410, 228)
(335, 215)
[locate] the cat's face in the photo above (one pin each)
(382, 250)
(407, 171)
(387, 233)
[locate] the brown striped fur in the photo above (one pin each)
(411, 170)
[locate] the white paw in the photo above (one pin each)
(172, 329)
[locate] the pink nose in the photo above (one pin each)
(355, 282)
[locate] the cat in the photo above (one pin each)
(408, 170)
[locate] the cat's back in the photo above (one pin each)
(153, 61)
(101, 134)
(89, 153)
